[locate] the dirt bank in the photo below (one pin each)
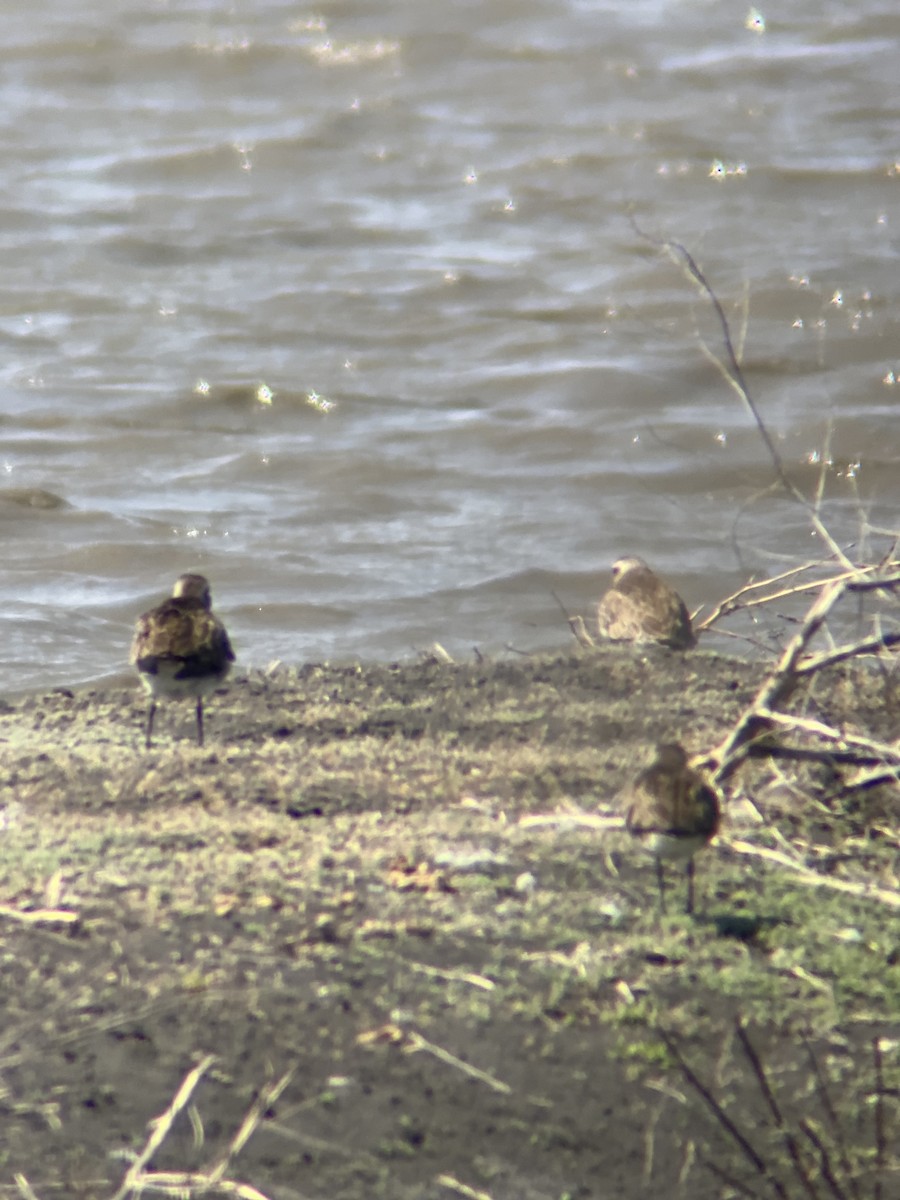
(354, 880)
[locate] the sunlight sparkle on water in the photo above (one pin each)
(350, 54)
(244, 152)
(319, 403)
(721, 170)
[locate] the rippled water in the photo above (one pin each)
(348, 311)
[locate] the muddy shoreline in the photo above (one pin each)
(404, 883)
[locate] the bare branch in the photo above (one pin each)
(880, 1138)
(800, 1168)
(882, 752)
(825, 1168)
(831, 1117)
(731, 370)
(758, 1163)
(728, 756)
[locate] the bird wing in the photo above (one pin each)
(620, 617)
(181, 631)
(677, 804)
(644, 609)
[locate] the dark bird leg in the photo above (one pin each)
(149, 740)
(661, 884)
(199, 720)
(689, 905)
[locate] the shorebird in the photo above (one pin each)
(180, 648)
(641, 607)
(672, 812)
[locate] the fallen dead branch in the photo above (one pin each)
(758, 719)
(878, 775)
(870, 751)
(724, 760)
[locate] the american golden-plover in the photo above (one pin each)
(180, 648)
(672, 812)
(641, 607)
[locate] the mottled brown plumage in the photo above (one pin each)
(671, 812)
(641, 607)
(180, 648)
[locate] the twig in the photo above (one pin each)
(759, 1164)
(728, 756)
(825, 461)
(570, 820)
(743, 637)
(255, 1113)
(831, 1117)
(479, 981)
(880, 1139)
(191, 1183)
(883, 773)
(873, 585)
(416, 1042)
(24, 1188)
(576, 624)
(181, 1183)
(461, 1189)
(40, 916)
(733, 602)
(790, 1142)
(728, 1179)
(828, 658)
(734, 376)
(579, 630)
(134, 1177)
(879, 751)
(825, 1168)
(812, 878)
(562, 607)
